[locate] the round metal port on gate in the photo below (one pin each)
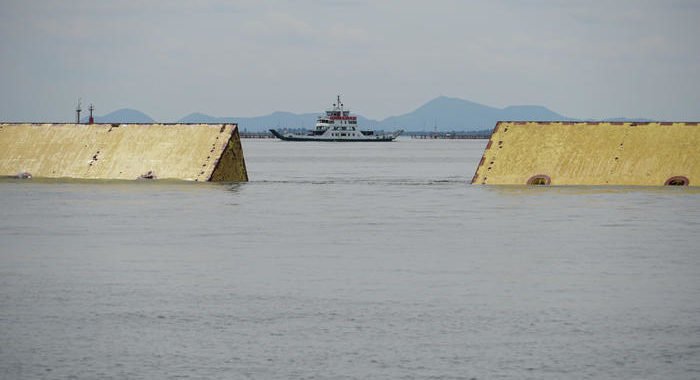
(677, 181)
(539, 179)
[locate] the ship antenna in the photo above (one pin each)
(77, 111)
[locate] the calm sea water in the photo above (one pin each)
(348, 261)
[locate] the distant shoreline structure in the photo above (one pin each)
(453, 135)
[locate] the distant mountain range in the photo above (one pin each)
(453, 114)
(443, 113)
(124, 115)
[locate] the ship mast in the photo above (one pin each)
(77, 112)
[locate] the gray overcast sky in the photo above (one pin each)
(597, 59)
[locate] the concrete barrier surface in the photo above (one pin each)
(591, 153)
(192, 152)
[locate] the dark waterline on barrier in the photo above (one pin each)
(348, 261)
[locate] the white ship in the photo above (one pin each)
(337, 125)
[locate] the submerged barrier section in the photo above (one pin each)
(192, 152)
(591, 153)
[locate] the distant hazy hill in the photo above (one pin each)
(453, 114)
(447, 114)
(124, 115)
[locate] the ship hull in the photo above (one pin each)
(288, 137)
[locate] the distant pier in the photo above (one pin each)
(447, 135)
(414, 135)
(256, 135)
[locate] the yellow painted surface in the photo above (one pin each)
(122, 151)
(591, 153)
(231, 163)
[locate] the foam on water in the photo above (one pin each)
(348, 261)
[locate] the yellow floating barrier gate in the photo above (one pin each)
(591, 153)
(192, 152)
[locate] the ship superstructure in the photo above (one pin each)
(337, 125)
